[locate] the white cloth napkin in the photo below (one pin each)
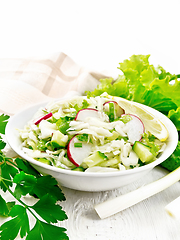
(25, 82)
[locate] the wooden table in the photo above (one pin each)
(145, 220)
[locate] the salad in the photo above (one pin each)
(91, 134)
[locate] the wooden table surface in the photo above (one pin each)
(145, 220)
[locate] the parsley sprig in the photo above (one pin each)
(20, 179)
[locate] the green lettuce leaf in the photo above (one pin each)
(174, 115)
(141, 82)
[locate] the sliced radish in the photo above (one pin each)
(135, 128)
(118, 110)
(43, 118)
(87, 112)
(77, 154)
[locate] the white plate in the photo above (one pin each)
(87, 181)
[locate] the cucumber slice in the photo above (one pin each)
(143, 152)
(44, 160)
(59, 139)
(94, 159)
(110, 163)
(79, 169)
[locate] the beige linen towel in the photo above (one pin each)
(25, 82)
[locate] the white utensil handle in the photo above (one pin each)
(122, 202)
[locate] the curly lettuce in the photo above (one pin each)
(141, 82)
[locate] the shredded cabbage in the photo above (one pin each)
(109, 139)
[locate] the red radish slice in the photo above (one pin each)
(135, 128)
(87, 112)
(43, 118)
(77, 154)
(118, 110)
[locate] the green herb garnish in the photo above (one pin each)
(78, 144)
(82, 137)
(63, 124)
